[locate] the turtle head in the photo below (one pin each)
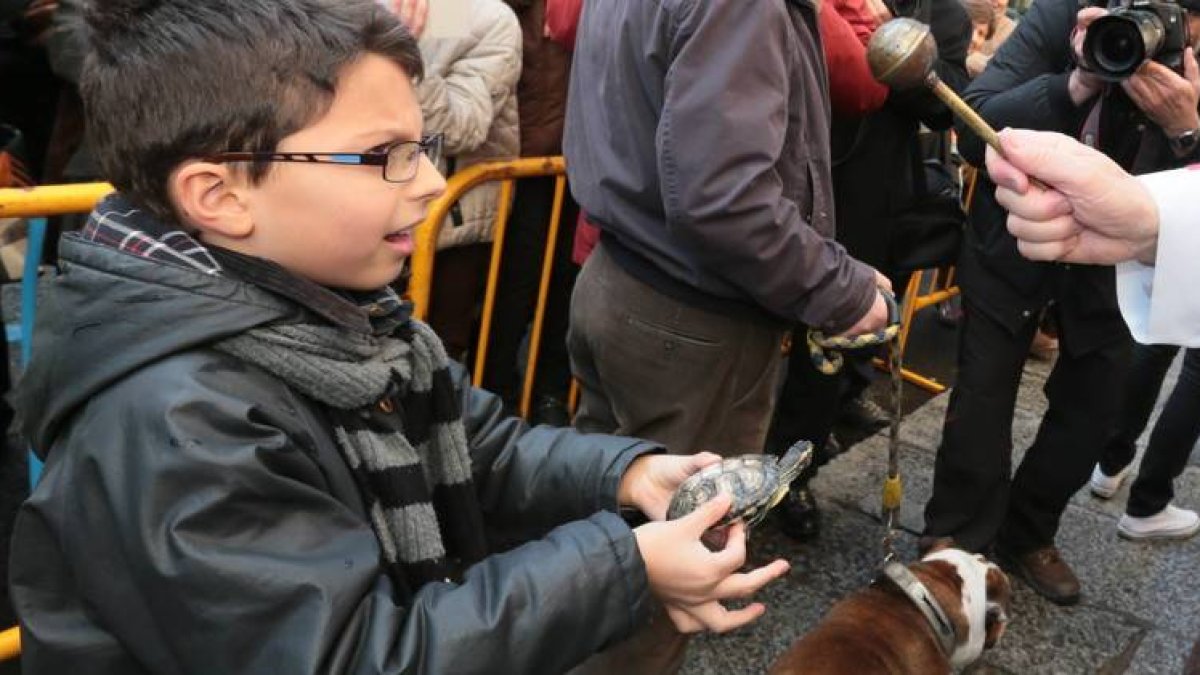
(795, 460)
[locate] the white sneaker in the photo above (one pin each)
(1105, 486)
(1170, 523)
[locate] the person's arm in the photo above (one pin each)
(227, 553)
(1158, 301)
(1094, 212)
(462, 101)
(859, 15)
(541, 476)
(853, 90)
(1026, 84)
(722, 130)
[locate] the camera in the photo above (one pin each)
(1133, 32)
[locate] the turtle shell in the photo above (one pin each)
(755, 482)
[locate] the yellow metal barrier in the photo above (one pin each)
(941, 288)
(422, 264)
(10, 644)
(51, 200)
(35, 202)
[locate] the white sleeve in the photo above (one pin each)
(1161, 303)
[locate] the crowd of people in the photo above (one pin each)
(242, 423)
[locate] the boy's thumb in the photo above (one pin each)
(709, 513)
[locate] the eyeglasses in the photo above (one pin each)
(399, 160)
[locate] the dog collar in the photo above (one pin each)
(912, 587)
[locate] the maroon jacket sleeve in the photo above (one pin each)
(858, 15)
(562, 21)
(853, 90)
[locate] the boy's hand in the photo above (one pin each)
(651, 480)
(691, 580)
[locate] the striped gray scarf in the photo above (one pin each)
(396, 418)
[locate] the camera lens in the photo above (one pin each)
(1120, 48)
(1118, 43)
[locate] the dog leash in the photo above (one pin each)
(826, 356)
(826, 351)
(893, 487)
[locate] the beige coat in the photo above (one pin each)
(469, 93)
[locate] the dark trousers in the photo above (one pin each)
(810, 400)
(652, 367)
(1174, 434)
(974, 500)
(520, 275)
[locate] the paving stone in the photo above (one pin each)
(1160, 652)
(1045, 639)
(1154, 581)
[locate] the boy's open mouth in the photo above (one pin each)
(401, 240)
(401, 232)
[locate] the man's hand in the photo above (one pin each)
(691, 580)
(1092, 211)
(651, 480)
(1167, 98)
(1082, 85)
(413, 14)
(876, 318)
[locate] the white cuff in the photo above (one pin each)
(1161, 304)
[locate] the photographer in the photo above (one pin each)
(1146, 122)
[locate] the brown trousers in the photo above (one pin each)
(651, 367)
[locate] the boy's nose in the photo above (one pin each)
(431, 182)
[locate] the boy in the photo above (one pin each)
(255, 460)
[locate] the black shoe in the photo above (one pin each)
(550, 410)
(1045, 571)
(798, 515)
(864, 415)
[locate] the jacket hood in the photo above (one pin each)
(107, 313)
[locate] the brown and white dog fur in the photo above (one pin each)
(880, 630)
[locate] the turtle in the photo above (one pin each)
(756, 482)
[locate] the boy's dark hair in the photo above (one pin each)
(170, 80)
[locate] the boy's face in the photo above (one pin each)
(344, 226)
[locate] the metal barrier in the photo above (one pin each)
(10, 644)
(51, 200)
(36, 203)
(423, 259)
(941, 288)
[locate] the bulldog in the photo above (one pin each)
(934, 616)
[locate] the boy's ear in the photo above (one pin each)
(211, 198)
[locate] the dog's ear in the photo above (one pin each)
(999, 592)
(995, 622)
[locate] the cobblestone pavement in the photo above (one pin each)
(1141, 607)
